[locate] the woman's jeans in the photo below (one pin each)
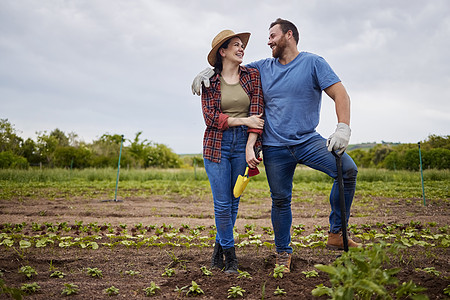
(222, 178)
(280, 163)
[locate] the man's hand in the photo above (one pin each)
(339, 139)
(202, 77)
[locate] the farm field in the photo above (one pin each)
(159, 236)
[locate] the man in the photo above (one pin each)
(292, 83)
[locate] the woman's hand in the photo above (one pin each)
(255, 122)
(250, 157)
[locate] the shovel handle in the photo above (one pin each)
(340, 179)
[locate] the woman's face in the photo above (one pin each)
(234, 52)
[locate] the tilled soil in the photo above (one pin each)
(151, 262)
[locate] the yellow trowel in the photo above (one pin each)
(241, 183)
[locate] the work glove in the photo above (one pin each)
(339, 139)
(202, 77)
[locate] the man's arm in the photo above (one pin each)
(340, 138)
(341, 99)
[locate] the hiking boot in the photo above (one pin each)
(231, 262)
(217, 257)
(284, 259)
(336, 241)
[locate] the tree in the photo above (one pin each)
(9, 140)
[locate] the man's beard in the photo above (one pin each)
(279, 48)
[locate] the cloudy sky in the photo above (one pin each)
(123, 66)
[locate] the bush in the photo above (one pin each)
(12, 161)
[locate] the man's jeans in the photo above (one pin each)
(280, 163)
(222, 178)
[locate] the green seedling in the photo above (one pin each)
(235, 291)
(94, 272)
(169, 272)
(30, 288)
(28, 271)
(430, 270)
(152, 289)
(278, 271)
(244, 274)
(70, 289)
(13, 292)
(279, 292)
(310, 274)
(447, 290)
(111, 291)
(57, 274)
(194, 289)
(132, 273)
(206, 271)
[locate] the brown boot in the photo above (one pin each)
(284, 259)
(336, 241)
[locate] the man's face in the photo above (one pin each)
(277, 41)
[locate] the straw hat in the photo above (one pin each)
(221, 38)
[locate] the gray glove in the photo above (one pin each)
(339, 139)
(202, 77)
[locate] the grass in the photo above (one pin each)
(90, 183)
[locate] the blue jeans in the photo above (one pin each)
(222, 178)
(280, 163)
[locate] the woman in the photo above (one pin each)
(232, 108)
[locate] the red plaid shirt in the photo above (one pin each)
(217, 122)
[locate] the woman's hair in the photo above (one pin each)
(285, 27)
(218, 65)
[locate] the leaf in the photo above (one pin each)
(327, 269)
(24, 244)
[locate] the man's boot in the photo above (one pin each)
(336, 241)
(217, 257)
(231, 262)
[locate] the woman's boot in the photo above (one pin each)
(231, 262)
(217, 257)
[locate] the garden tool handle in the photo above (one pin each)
(340, 179)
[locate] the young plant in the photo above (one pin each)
(70, 289)
(244, 274)
(152, 289)
(94, 272)
(206, 271)
(30, 288)
(194, 289)
(169, 272)
(279, 292)
(310, 274)
(111, 291)
(359, 273)
(57, 274)
(278, 271)
(28, 271)
(132, 273)
(235, 291)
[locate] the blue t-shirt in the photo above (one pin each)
(292, 97)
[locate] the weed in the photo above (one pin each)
(430, 270)
(13, 292)
(111, 291)
(235, 291)
(70, 289)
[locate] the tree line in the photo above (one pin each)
(61, 150)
